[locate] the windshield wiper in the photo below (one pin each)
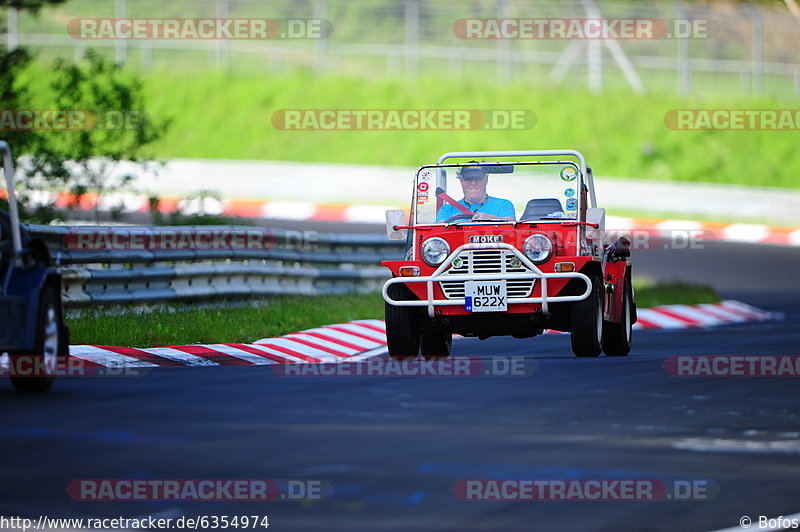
(493, 220)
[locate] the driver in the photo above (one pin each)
(473, 182)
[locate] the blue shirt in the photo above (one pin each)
(495, 206)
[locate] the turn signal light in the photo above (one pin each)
(409, 271)
(564, 267)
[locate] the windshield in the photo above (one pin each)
(478, 191)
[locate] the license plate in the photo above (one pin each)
(485, 296)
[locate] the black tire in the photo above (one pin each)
(402, 325)
(617, 336)
(436, 344)
(36, 372)
(63, 349)
(587, 322)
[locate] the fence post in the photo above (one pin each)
(223, 45)
(146, 55)
(594, 59)
(457, 63)
(13, 28)
(411, 9)
(79, 50)
(757, 25)
(121, 45)
(320, 45)
(617, 54)
(594, 52)
(504, 53)
(684, 66)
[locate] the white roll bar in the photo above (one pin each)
(8, 165)
(531, 153)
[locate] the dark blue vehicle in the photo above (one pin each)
(32, 329)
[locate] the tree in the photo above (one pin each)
(29, 5)
(15, 96)
(113, 126)
(116, 126)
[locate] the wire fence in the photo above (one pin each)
(721, 47)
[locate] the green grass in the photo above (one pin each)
(651, 294)
(174, 325)
(621, 134)
(237, 324)
(228, 116)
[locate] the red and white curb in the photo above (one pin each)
(701, 231)
(689, 316)
(350, 341)
(706, 315)
(362, 339)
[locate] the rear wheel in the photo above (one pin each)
(436, 344)
(36, 372)
(402, 325)
(587, 322)
(617, 336)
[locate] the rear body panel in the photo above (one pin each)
(19, 307)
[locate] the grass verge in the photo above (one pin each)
(651, 294)
(176, 326)
(173, 325)
(221, 115)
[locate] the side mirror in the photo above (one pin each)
(597, 217)
(394, 218)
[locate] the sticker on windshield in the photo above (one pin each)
(568, 173)
(422, 187)
(425, 174)
(572, 204)
(422, 198)
(569, 192)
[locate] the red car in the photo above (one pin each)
(501, 248)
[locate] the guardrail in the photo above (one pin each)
(294, 264)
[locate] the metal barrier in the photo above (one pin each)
(323, 264)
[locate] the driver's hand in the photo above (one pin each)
(483, 216)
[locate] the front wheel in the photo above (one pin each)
(617, 336)
(402, 325)
(587, 322)
(36, 372)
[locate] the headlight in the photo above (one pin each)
(434, 251)
(538, 248)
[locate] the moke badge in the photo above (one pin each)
(485, 239)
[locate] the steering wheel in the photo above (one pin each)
(460, 216)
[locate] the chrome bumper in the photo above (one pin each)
(439, 276)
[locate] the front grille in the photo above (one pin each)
(486, 261)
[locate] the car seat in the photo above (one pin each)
(540, 208)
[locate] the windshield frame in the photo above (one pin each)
(441, 182)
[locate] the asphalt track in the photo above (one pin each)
(393, 447)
